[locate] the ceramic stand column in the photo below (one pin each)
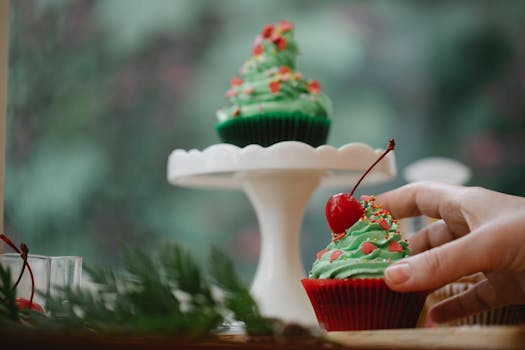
(279, 199)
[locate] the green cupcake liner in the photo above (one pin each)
(265, 129)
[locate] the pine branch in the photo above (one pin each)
(166, 292)
(184, 271)
(7, 297)
(162, 293)
(238, 298)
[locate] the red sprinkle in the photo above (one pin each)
(257, 50)
(275, 86)
(236, 112)
(321, 253)
(285, 70)
(368, 247)
(335, 255)
(366, 198)
(314, 87)
(394, 246)
(236, 81)
(231, 93)
(280, 42)
(267, 31)
(383, 223)
(248, 90)
(338, 236)
(285, 26)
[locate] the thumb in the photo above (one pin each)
(438, 266)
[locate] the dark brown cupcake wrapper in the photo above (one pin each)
(269, 128)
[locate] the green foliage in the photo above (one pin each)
(237, 298)
(165, 293)
(7, 298)
(10, 316)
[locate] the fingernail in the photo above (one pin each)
(397, 274)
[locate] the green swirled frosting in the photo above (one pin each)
(365, 249)
(269, 82)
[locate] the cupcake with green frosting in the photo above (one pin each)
(365, 249)
(271, 101)
(346, 283)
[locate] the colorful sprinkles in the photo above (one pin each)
(236, 81)
(274, 86)
(338, 236)
(320, 253)
(368, 247)
(373, 215)
(336, 254)
(271, 41)
(394, 246)
(257, 50)
(314, 87)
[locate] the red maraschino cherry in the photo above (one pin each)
(22, 304)
(343, 210)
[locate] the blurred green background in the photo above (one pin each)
(100, 93)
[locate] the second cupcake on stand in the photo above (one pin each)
(271, 101)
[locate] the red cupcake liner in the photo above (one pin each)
(362, 304)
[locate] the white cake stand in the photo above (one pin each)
(279, 181)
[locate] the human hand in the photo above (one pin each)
(480, 231)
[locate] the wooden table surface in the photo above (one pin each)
(471, 337)
(450, 338)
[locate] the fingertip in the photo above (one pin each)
(421, 272)
(383, 199)
(397, 275)
(398, 201)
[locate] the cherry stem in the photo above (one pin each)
(391, 145)
(23, 251)
(15, 248)
(20, 275)
(10, 243)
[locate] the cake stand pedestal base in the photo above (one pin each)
(279, 198)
